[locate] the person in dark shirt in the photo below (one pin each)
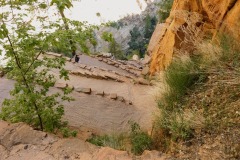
(77, 58)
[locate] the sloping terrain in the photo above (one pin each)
(108, 94)
(21, 142)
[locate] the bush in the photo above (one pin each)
(164, 9)
(140, 140)
(113, 141)
(66, 132)
(179, 77)
(137, 141)
(172, 124)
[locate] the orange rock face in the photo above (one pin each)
(192, 18)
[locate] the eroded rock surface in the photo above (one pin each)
(21, 142)
(208, 17)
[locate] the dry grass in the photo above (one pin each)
(210, 109)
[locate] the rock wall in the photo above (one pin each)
(204, 17)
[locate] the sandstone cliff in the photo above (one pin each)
(192, 18)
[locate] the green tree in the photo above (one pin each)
(25, 45)
(164, 9)
(150, 23)
(72, 31)
(114, 47)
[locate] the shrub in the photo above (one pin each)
(113, 141)
(172, 124)
(66, 132)
(178, 78)
(137, 141)
(140, 140)
(164, 9)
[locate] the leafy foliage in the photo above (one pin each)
(164, 9)
(25, 46)
(136, 141)
(79, 37)
(140, 140)
(113, 141)
(139, 41)
(114, 47)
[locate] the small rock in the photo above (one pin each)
(142, 81)
(100, 59)
(113, 96)
(70, 86)
(145, 71)
(84, 90)
(68, 59)
(116, 65)
(82, 66)
(26, 147)
(120, 98)
(54, 54)
(135, 57)
(110, 63)
(146, 59)
(100, 93)
(129, 102)
(89, 68)
(60, 85)
(122, 67)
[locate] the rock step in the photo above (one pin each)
(89, 91)
(97, 75)
(118, 63)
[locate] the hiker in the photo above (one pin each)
(77, 58)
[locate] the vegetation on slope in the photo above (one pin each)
(25, 46)
(200, 105)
